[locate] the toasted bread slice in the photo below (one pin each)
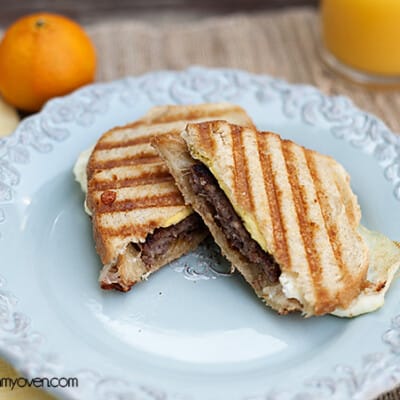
(131, 193)
(174, 152)
(296, 204)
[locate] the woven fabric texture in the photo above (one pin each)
(284, 44)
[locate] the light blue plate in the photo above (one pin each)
(190, 332)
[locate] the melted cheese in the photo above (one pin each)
(80, 173)
(289, 288)
(384, 263)
(178, 217)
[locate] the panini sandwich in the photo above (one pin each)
(283, 215)
(140, 221)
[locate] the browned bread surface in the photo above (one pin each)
(130, 191)
(296, 203)
(173, 150)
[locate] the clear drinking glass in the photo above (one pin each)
(361, 39)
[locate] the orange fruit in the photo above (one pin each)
(42, 56)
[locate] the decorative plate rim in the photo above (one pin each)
(38, 134)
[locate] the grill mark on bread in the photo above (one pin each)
(331, 228)
(108, 197)
(205, 137)
(165, 200)
(240, 165)
(109, 156)
(143, 158)
(104, 145)
(171, 115)
(306, 229)
(135, 141)
(123, 231)
(145, 179)
(279, 233)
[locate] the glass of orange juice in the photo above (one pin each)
(361, 39)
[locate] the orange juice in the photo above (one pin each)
(363, 34)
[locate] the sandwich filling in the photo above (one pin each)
(160, 241)
(140, 259)
(205, 185)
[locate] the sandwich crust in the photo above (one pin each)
(296, 203)
(174, 152)
(131, 193)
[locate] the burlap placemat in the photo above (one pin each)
(283, 44)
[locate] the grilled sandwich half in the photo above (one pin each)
(283, 215)
(140, 221)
